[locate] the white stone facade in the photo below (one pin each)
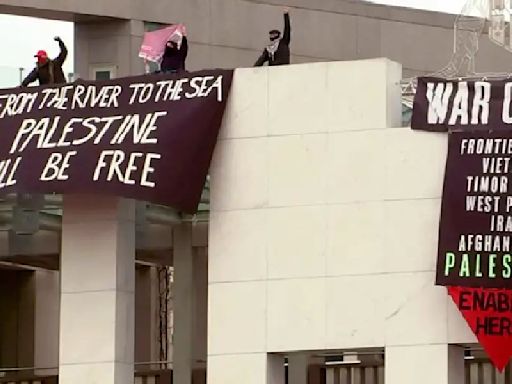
(324, 221)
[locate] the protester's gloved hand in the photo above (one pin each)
(57, 39)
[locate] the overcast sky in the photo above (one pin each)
(23, 37)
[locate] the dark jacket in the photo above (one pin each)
(50, 72)
(174, 58)
(282, 54)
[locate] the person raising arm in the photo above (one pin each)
(278, 51)
(48, 71)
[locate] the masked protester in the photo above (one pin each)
(278, 51)
(174, 56)
(48, 71)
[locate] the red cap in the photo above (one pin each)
(41, 53)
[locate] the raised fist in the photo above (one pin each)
(57, 38)
(286, 9)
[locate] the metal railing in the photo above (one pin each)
(478, 371)
(355, 374)
(29, 379)
(481, 371)
(142, 377)
(11, 77)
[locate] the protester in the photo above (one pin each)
(278, 51)
(175, 54)
(48, 71)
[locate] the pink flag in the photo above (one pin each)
(153, 46)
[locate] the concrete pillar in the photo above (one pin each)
(298, 368)
(46, 334)
(200, 315)
(456, 365)
(355, 373)
(29, 325)
(26, 318)
(183, 305)
(9, 319)
(146, 317)
(315, 370)
(275, 369)
(106, 44)
(16, 319)
(97, 291)
(155, 327)
(425, 364)
(247, 368)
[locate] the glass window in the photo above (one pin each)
(103, 75)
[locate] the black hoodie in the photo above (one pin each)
(174, 58)
(282, 55)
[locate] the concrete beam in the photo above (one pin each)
(51, 14)
(162, 10)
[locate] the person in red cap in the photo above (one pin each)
(48, 71)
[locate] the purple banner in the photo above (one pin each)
(148, 138)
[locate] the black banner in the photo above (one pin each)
(443, 105)
(476, 217)
(474, 250)
(148, 137)
(475, 234)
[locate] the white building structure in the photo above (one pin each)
(323, 231)
(315, 259)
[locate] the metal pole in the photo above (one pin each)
(21, 74)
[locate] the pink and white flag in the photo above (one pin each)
(153, 45)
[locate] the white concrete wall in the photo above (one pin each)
(324, 225)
